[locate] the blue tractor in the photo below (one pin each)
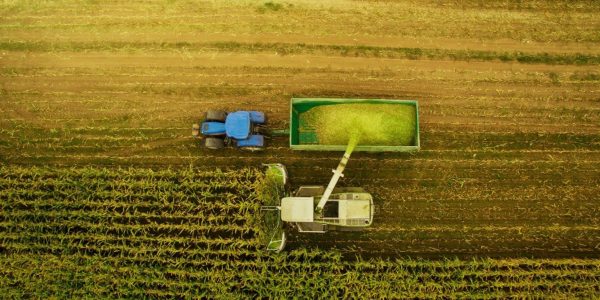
(241, 129)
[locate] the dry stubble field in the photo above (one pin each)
(509, 101)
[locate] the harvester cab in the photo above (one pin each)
(241, 129)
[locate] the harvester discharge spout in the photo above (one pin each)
(337, 173)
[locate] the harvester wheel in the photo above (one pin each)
(214, 143)
(215, 116)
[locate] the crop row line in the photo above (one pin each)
(93, 185)
(124, 251)
(136, 174)
(489, 228)
(133, 217)
(175, 281)
(121, 207)
(508, 268)
(141, 242)
(441, 132)
(145, 144)
(166, 197)
(464, 152)
(154, 228)
(424, 124)
(301, 48)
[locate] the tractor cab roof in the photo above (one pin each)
(237, 125)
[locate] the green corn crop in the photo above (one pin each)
(139, 233)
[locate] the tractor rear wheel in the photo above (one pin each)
(215, 116)
(214, 143)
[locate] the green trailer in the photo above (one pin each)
(326, 124)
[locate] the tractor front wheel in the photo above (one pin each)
(214, 143)
(215, 116)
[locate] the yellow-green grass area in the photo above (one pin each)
(374, 125)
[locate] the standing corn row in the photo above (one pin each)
(129, 233)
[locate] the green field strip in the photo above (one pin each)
(141, 149)
(129, 174)
(427, 159)
(54, 224)
(419, 278)
(259, 73)
(131, 193)
(124, 203)
(105, 250)
(77, 240)
(312, 49)
(479, 117)
(141, 256)
(308, 19)
(152, 80)
(133, 217)
(435, 140)
(200, 161)
(152, 181)
(536, 103)
(158, 229)
(94, 88)
(174, 159)
(471, 173)
(142, 206)
(67, 139)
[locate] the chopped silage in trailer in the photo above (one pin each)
(381, 124)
